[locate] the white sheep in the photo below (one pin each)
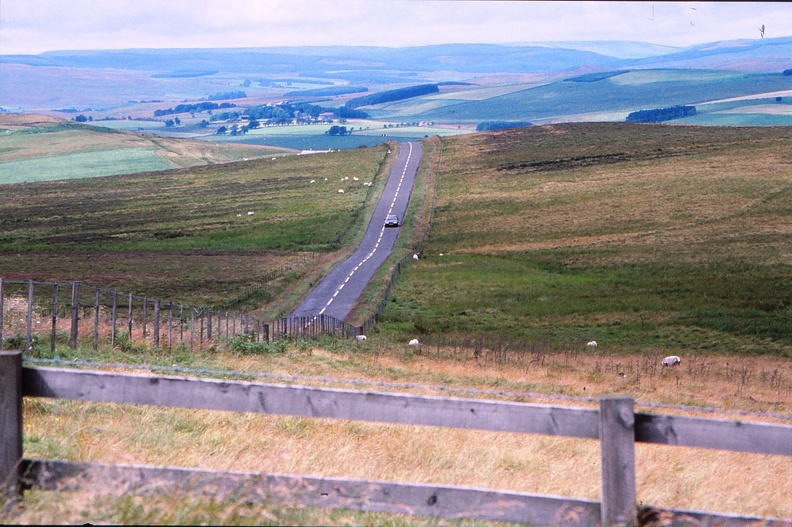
(671, 360)
(250, 213)
(592, 344)
(414, 342)
(361, 338)
(340, 191)
(415, 257)
(313, 181)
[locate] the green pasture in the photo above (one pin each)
(202, 207)
(365, 133)
(622, 93)
(83, 165)
(678, 245)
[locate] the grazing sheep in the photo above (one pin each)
(415, 257)
(414, 342)
(361, 337)
(313, 181)
(239, 215)
(355, 179)
(250, 213)
(325, 179)
(592, 344)
(671, 360)
(340, 191)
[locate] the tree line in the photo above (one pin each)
(661, 114)
(392, 95)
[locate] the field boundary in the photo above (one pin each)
(615, 425)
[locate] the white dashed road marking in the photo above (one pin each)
(382, 233)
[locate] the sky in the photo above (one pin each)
(35, 26)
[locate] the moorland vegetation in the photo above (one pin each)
(651, 239)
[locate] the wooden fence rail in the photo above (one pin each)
(614, 424)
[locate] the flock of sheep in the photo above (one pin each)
(671, 360)
(345, 179)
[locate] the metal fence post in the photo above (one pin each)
(617, 441)
(10, 424)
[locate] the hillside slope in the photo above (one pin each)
(39, 148)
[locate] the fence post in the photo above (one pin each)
(29, 332)
(54, 336)
(114, 316)
(145, 313)
(129, 319)
(1, 314)
(75, 315)
(617, 442)
(97, 305)
(156, 323)
(10, 424)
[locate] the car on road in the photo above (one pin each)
(392, 220)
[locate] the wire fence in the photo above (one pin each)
(377, 314)
(76, 314)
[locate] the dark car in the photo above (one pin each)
(392, 220)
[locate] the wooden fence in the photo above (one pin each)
(614, 424)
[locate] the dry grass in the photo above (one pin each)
(673, 477)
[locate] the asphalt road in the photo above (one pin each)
(337, 294)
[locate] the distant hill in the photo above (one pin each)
(533, 82)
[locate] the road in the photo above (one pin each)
(338, 292)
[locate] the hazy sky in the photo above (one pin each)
(34, 26)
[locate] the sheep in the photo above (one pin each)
(340, 191)
(355, 179)
(592, 344)
(415, 257)
(361, 338)
(414, 342)
(250, 213)
(671, 360)
(313, 181)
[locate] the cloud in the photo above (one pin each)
(33, 26)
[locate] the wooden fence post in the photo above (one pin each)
(54, 335)
(29, 332)
(1, 314)
(97, 305)
(10, 424)
(617, 441)
(75, 314)
(114, 317)
(145, 308)
(156, 323)
(129, 319)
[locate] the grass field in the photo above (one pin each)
(160, 233)
(37, 148)
(650, 239)
(640, 237)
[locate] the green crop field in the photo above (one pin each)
(82, 165)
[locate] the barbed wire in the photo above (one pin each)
(212, 373)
